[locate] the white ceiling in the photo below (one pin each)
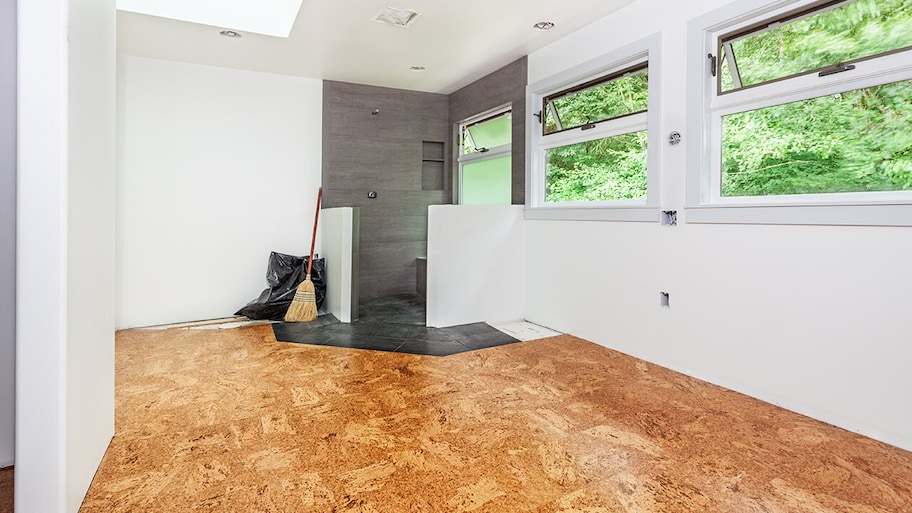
(458, 42)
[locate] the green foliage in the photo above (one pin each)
(856, 141)
(625, 95)
(613, 168)
(852, 31)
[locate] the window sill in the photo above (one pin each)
(871, 214)
(628, 214)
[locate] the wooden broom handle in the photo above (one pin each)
(313, 238)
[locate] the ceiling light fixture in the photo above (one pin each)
(396, 16)
(417, 68)
(229, 33)
(543, 25)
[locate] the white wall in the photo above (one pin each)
(475, 264)
(216, 168)
(7, 229)
(65, 250)
(811, 318)
(90, 242)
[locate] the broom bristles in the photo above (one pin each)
(303, 307)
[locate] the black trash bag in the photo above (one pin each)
(284, 274)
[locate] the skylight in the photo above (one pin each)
(269, 17)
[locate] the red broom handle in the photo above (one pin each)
(313, 239)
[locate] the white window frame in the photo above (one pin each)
(646, 50)
(491, 153)
(705, 204)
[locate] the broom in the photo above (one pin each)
(303, 307)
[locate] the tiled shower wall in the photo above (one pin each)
(506, 86)
(395, 143)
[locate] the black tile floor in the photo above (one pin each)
(395, 324)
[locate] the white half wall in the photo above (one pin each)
(341, 252)
(90, 241)
(475, 264)
(7, 230)
(216, 168)
(65, 250)
(812, 318)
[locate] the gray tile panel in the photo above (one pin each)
(383, 152)
(390, 152)
(391, 256)
(505, 86)
(395, 324)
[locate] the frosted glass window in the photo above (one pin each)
(487, 133)
(487, 182)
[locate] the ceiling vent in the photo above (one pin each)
(396, 16)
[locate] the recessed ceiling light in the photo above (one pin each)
(417, 68)
(229, 33)
(543, 25)
(396, 16)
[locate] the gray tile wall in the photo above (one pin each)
(506, 85)
(382, 152)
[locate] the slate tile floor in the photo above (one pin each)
(394, 324)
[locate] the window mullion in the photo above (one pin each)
(890, 68)
(610, 128)
(491, 153)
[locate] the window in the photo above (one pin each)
(808, 105)
(485, 162)
(598, 168)
(621, 94)
(590, 139)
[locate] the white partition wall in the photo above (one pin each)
(475, 264)
(65, 250)
(341, 253)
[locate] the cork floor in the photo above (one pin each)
(233, 421)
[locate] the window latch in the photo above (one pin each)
(539, 116)
(839, 67)
(588, 126)
(712, 63)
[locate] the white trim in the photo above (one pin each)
(870, 214)
(646, 50)
(490, 113)
(497, 151)
(625, 125)
(706, 108)
(41, 254)
(641, 214)
(890, 68)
